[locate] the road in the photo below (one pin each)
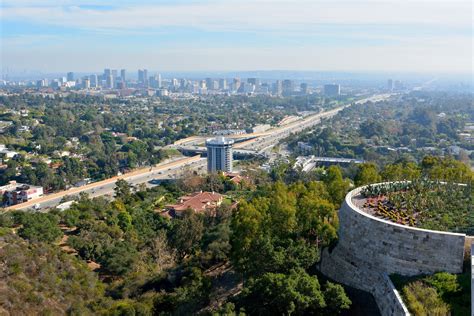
(106, 187)
(265, 142)
(261, 143)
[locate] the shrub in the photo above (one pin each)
(422, 299)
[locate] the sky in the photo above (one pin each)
(433, 36)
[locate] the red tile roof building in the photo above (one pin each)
(235, 177)
(198, 202)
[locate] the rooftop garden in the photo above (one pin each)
(423, 204)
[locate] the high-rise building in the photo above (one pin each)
(209, 83)
(242, 87)
(254, 81)
(70, 76)
(110, 81)
(114, 74)
(332, 89)
(390, 84)
(194, 87)
(278, 88)
(94, 81)
(183, 83)
(56, 84)
(86, 83)
(236, 84)
(143, 77)
(397, 85)
(264, 88)
(175, 83)
(107, 73)
(203, 90)
(222, 84)
(153, 82)
(219, 154)
(287, 87)
(304, 88)
(159, 80)
(162, 93)
(40, 83)
(122, 75)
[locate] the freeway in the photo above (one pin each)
(106, 187)
(273, 136)
(265, 139)
(259, 142)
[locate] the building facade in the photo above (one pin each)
(332, 89)
(15, 193)
(70, 76)
(219, 154)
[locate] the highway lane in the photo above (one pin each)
(273, 136)
(106, 187)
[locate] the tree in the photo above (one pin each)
(161, 253)
(317, 220)
(246, 227)
(337, 186)
(71, 217)
(122, 190)
(39, 227)
(372, 128)
(282, 229)
(336, 298)
(124, 220)
(216, 242)
(214, 182)
(129, 307)
(282, 210)
(367, 173)
(283, 294)
(119, 259)
(187, 233)
(401, 171)
(446, 169)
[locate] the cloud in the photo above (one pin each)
(182, 57)
(261, 34)
(243, 15)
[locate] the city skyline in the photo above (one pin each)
(59, 36)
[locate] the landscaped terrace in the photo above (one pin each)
(421, 203)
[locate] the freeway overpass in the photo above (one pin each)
(197, 140)
(257, 142)
(201, 150)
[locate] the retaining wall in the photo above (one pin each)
(370, 248)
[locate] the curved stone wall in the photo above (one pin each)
(370, 248)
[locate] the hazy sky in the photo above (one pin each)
(181, 35)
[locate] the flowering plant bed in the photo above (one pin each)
(422, 203)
